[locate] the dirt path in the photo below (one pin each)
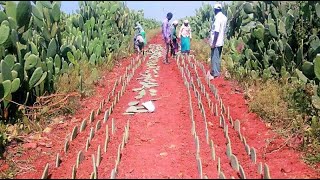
(173, 141)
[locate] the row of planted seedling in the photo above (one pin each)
(233, 159)
(123, 80)
(184, 75)
(236, 125)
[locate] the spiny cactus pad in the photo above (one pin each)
(74, 133)
(74, 171)
(221, 175)
(234, 162)
(45, 172)
(83, 125)
(266, 173)
(253, 155)
(242, 173)
(58, 160)
(66, 146)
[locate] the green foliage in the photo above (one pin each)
(39, 44)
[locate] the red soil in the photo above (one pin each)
(160, 143)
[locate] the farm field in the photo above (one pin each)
(193, 132)
(76, 100)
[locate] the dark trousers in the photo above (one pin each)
(173, 47)
(215, 61)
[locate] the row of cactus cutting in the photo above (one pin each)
(219, 112)
(112, 99)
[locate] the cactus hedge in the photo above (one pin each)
(39, 43)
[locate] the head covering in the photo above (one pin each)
(175, 22)
(186, 21)
(217, 6)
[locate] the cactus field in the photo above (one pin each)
(199, 129)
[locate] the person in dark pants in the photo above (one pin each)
(216, 42)
(166, 34)
(174, 42)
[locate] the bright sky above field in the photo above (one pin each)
(153, 9)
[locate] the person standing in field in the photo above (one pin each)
(216, 41)
(174, 42)
(166, 34)
(185, 37)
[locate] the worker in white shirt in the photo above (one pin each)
(216, 41)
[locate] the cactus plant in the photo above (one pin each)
(74, 172)
(98, 156)
(74, 133)
(234, 162)
(83, 125)
(242, 173)
(266, 173)
(80, 158)
(253, 155)
(45, 172)
(66, 146)
(58, 160)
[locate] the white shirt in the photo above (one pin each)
(219, 25)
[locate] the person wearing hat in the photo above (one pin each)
(174, 43)
(166, 34)
(216, 41)
(141, 31)
(185, 37)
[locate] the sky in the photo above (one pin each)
(153, 9)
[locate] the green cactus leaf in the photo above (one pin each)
(56, 12)
(34, 48)
(248, 8)
(12, 23)
(65, 67)
(52, 48)
(71, 57)
(46, 4)
(316, 101)
(15, 85)
(4, 35)
(37, 13)
(54, 29)
(6, 86)
(10, 60)
(43, 77)
(17, 67)
(31, 61)
(57, 62)
(3, 16)
(317, 66)
(11, 7)
(282, 28)
(273, 30)
(308, 69)
(14, 74)
(318, 9)
(24, 13)
(6, 71)
(37, 74)
(259, 33)
(301, 76)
